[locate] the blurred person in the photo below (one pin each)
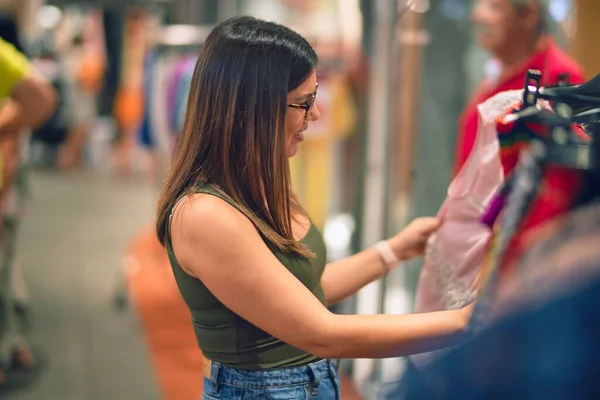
(83, 77)
(247, 259)
(515, 34)
(26, 101)
(129, 100)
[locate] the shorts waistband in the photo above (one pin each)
(311, 373)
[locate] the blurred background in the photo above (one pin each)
(104, 317)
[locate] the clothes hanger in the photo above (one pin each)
(564, 145)
(579, 97)
(533, 79)
(567, 149)
(536, 115)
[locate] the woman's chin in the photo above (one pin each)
(292, 150)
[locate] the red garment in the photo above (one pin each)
(549, 59)
(560, 186)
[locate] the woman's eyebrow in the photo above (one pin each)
(304, 96)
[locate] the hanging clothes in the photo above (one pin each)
(170, 82)
(542, 193)
(112, 27)
(146, 136)
(543, 339)
(166, 83)
(556, 195)
(177, 91)
(183, 91)
(454, 253)
(158, 107)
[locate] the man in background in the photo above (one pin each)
(515, 33)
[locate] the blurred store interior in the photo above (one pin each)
(105, 318)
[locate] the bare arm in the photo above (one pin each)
(217, 244)
(31, 103)
(343, 278)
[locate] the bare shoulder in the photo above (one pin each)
(207, 207)
(205, 225)
(206, 216)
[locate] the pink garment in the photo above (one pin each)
(454, 254)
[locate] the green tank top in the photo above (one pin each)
(224, 336)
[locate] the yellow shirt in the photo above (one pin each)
(14, 66)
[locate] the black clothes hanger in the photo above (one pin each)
(579, 97)
(563, 146)
(533, 79)
(589, 117)
(537, 115)
(581, 156)
(590, 120)
(569, 150)
(527, 111)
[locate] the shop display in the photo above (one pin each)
(532, 323)
(496, 201)
(554, 152)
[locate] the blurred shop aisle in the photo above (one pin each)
(74, 235)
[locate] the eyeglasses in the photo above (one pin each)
(307, 105)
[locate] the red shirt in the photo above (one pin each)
(549, 59)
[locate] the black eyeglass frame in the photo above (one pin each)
(307, 105)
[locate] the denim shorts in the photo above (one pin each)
(318, 380)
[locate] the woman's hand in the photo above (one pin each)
(410, 242)
(465, 314)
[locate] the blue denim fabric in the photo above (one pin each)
(318, 380)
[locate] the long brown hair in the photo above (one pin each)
(234, 132)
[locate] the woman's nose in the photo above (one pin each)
(314, 113)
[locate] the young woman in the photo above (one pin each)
(248, 261)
